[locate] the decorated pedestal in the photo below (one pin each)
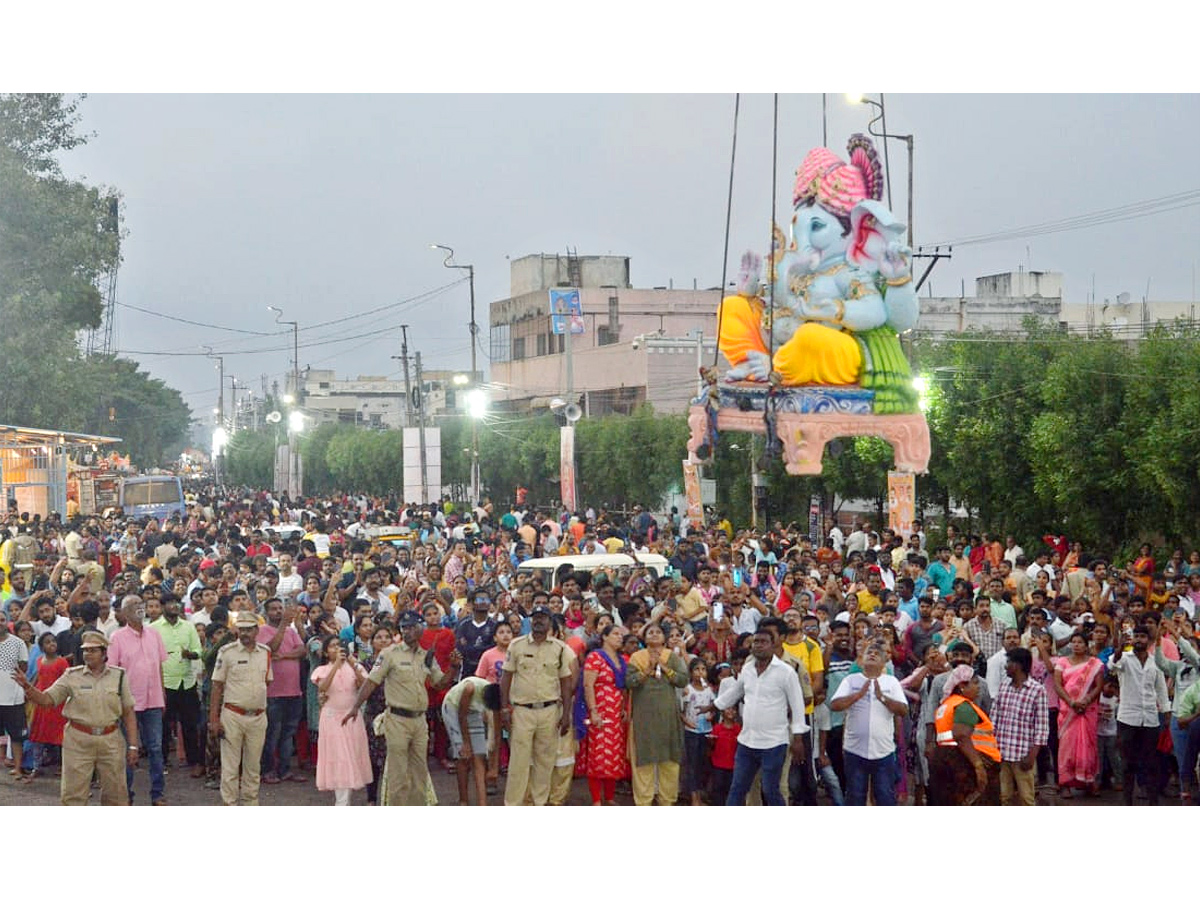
(807, 418)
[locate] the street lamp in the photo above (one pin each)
(881, 117)
(295, 425)
(220, 382)
(450, 264)
(477, 404)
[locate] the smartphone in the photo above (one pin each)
(737, 577)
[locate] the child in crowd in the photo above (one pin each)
(1111, 766)
(697, 696)
(724, 747)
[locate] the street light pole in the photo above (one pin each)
(295, 484)
(908, 140)
(218, 461)
(447, 262)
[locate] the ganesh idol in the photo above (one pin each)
(842, 287)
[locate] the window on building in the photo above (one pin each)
(541, 345)
(518, 348)
(501, 343)
(323, 385)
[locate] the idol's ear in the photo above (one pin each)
(872, 229)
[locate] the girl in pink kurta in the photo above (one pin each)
(343, 760)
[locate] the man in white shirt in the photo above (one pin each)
(838, 538)
(857, 541)
(382, 597)
(1041, 563)
(1139, 712)
(14, 657)
(48, 619)
(290, 581)
(998, 661)
(871, 700)
(1012, 550)
(772, 717)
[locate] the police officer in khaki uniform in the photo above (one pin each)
(403, 669)
(535, 706)
(239, 698)
(98, 701)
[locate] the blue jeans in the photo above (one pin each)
(150, 725)
(882, 773)
(1190, 745)
(1178, 745)
(832, 786)
(746, 763)
(283, 718)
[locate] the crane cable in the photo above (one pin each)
(737, 102)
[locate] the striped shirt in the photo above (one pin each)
(1021, 719)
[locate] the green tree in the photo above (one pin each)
(250, 459)
(58, 238)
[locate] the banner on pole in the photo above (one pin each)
(566, 467)
(566, 306)
(693, 495)
(902, 502)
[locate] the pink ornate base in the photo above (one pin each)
(804, 436)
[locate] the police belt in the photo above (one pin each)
(406, 713)
(541, 705)
(95, 732)
(233, 707)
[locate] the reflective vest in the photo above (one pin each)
(983, 737)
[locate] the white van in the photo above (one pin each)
(622, 564)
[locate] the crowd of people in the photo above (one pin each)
(257, 641)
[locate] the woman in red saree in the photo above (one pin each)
(606, 754)
(1078, 678)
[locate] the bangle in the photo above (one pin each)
(899, 282)
(134, 749)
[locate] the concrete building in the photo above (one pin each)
(640, 345)
(1001, 303)
(1128, 318)
(376, 401)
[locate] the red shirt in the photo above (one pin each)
(259, 549)
(442, 642)
(724, 744)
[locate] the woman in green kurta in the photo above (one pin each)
(656, 733)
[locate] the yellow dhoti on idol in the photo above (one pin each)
(815, 354)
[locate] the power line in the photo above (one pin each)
(416, 300)
(1137, 210)
(151, 312)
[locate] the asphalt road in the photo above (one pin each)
(183, 790)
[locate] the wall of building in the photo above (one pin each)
(540, 272)
(528, 363)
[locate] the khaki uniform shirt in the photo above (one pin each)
(536, 669)
(95, 701)
(245, 674)
(402, 671)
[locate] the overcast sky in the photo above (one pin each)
(326, 205)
